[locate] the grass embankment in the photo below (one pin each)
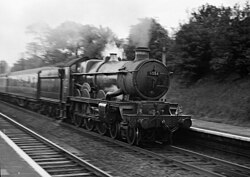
(224, 102)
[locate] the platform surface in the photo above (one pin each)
(12, 164)
(223, 128)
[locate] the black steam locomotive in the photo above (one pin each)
(119, 98)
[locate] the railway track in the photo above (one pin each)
(183, 162)
(200, 162)
(55, 160)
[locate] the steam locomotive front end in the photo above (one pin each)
(146, 81)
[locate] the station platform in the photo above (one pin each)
(236, 132)
(15, 163)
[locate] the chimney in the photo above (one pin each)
(141, 53)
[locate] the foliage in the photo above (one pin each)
(147, 33)
(94, 39)
(215, 41)
(66, 41)
(225, 101)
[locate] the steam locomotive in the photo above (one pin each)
(119, 98)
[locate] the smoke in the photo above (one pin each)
(111, 47)
(140, 34)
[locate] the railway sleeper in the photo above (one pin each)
(60, 166)
(45, 156)
(60, 170)
(74, 175)
(55, 162)
(41, 159)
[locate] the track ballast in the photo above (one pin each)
(57, 161)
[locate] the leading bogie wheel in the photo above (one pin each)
(133, 135)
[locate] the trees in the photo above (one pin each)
(215, 41)
(94, 39)
(21, 64)
(147, 33)
(66, 36)
(59, 44)
(192, 48)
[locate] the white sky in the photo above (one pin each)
(119, 15)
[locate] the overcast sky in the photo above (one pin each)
(119, 15)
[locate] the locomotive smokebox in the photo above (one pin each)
(141, 53)
(148, 79)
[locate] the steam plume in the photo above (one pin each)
(111, 47)
(140, 34)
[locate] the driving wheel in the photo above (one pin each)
(101, 128)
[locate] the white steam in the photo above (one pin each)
(111, 47)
